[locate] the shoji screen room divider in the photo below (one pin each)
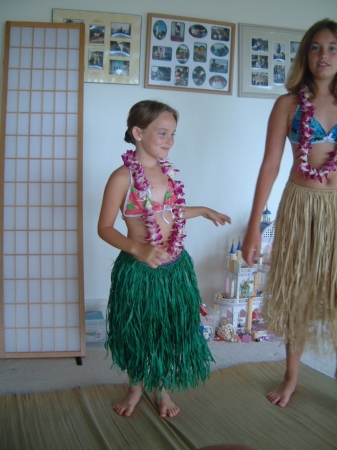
(42, 306)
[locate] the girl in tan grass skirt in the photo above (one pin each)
(302, 283)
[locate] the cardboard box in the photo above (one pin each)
(95, 327)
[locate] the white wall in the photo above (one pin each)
(220, 138)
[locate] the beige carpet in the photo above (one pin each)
(230, 408)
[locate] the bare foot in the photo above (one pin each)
(281, 395)
(126, 406)
(166, 407)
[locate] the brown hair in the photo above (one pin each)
(300, 74)
(143, 113)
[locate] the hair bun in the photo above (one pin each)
(127, 137)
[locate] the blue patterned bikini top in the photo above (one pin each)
(319, 134)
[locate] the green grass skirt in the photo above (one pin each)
(153, 323)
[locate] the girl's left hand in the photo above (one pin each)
(216, 217)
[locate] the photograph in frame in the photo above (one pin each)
(189, 54)
(265, 57)
(112, 45)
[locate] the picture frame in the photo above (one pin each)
(112, 45)
(189, 54)
(265, 56)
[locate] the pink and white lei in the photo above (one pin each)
(141, 183)
(304, 145)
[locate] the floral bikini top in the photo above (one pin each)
(134, 201)
(319, 134)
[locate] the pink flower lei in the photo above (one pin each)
(153, 235)
(304, 145)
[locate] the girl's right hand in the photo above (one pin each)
(151, 255)
(251, 246)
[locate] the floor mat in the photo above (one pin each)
(230, 408)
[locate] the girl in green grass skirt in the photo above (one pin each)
(153, 309)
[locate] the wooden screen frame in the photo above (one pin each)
(81, 347)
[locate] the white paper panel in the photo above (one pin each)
(34, 272)
(24, 101)
(21, 291)
(59, 147)
(61, 339)
(15, 36)
(74, 39)
(35, 340)
(37, 80)
(73, 57)
(10, 146)
(22, 150)
(10, 170)
(48, 102)
(35, 316)
(9, 267)
(71, 218)
(13, 79)
(59, 221)
(72, 291)
(22, 340)
(21, 267)
(48, 343)
(34, 291)
(9, 243)
(38, 58)
(21, 244)
(50, 37)
(73, 339)
(9, 218)
(47, 292)
(26, 37)
(10, 340)
(60, 291)
(22, 170)
(47, 147)
(61, 59)
(26, 58)
(34, 218)
(21, 218)
(14, 58)
(12, 101)
(34, 243)
(9, 291)
(22, 316)
(62, 38)
(60, 315)
(61, 80)
(25, 79)
(39, 36)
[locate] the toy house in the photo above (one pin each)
(241, 301)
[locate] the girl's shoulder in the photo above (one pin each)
(285, 107)
(287, 101)
(120, 176)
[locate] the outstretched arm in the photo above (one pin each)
(276, 136)
(207, 213)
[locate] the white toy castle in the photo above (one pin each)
(242, 299)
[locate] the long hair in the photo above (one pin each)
(300, 74)
(143, 113)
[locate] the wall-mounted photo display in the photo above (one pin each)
(189, 54)
(265, 57)
(112, 45)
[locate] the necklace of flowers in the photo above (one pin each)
(141, 183)
(304, 144)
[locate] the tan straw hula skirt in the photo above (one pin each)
(300, 298)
